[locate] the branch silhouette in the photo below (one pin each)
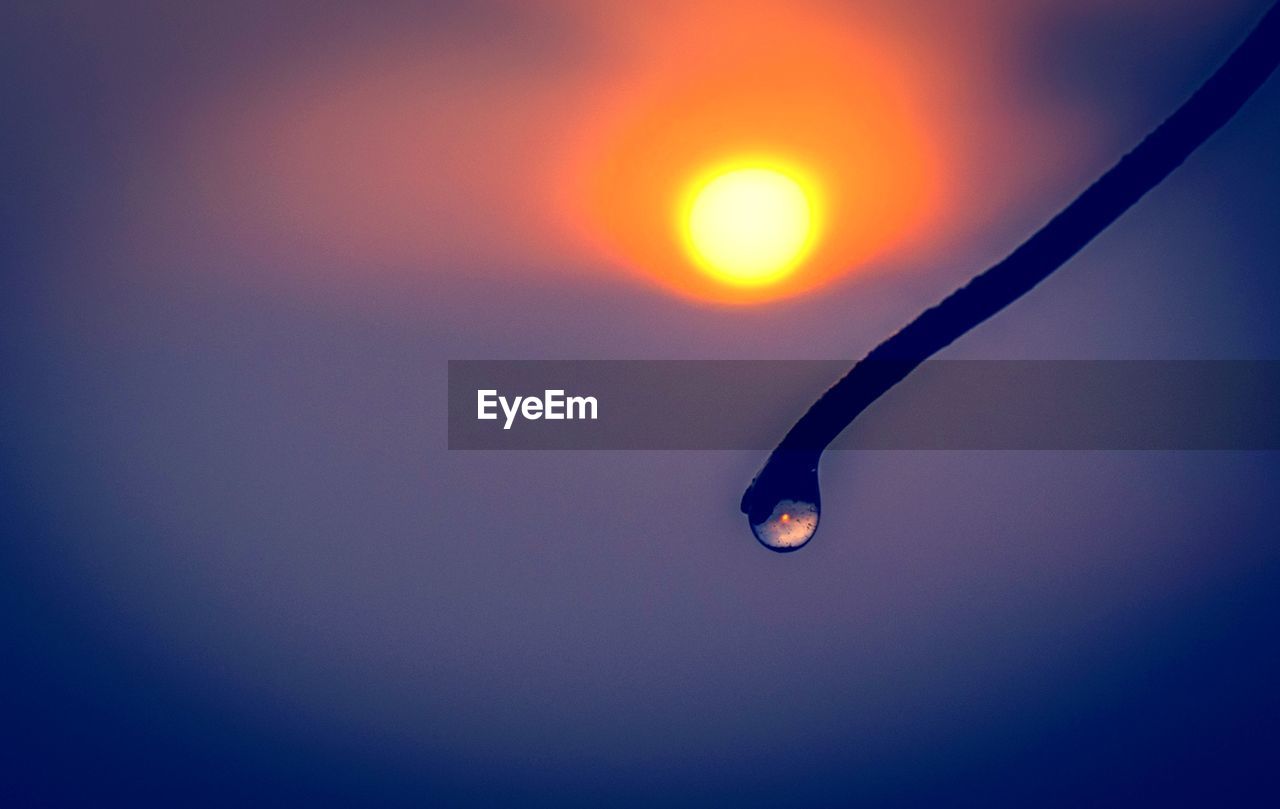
(791, 470)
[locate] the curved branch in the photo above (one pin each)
(1124, 184)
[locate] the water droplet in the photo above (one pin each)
(783, 503)
(790, 526)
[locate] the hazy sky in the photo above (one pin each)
(239, 246)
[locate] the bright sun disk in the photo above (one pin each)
(750, 226)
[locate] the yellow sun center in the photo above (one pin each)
(750, 226)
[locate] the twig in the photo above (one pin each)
(1138, 172)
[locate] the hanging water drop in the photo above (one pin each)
(783, 503)
(791, 524)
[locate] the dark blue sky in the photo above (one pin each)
(240, 566)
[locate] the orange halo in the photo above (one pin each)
(786, 90)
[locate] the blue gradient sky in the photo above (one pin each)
(239, 563)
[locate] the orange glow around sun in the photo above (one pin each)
(582, 153)
(816, 107)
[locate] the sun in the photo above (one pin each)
(750, 225)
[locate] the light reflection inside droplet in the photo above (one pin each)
(790, 526)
